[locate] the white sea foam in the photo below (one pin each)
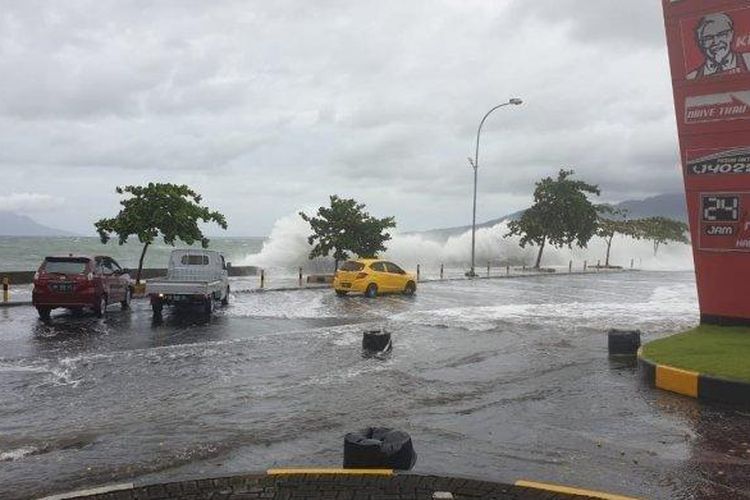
(677, 301)
(287, 248)
(12, 455)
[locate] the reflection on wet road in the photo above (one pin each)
(498, 379)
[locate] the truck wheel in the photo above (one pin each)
(208, 306)
(372, 291)
(101, 306)
(225, 300)
(126, 301)
(43, 313)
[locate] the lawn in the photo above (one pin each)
(710, 350)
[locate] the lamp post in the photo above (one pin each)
(475, 165)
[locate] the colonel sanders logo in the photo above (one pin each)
(715, 36)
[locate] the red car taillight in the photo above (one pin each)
(361, 276)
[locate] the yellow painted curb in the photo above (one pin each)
(676, 380)
(349, 472)
(571, 491)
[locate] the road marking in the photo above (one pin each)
(571, 491)
(676, 380)
(91, 491)
(350, 472)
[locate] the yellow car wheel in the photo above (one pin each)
(410, 288)
(371, 291)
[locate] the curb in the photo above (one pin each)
(15, 304)
(693, 384)
(355, 484)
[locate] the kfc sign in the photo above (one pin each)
(715, 162)
(725, 222)
(709, 54)
(717, 107)
(717, 44)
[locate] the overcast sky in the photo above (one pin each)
(267, 107)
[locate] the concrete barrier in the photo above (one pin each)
(320, 278)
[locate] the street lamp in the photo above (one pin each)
(475, 165)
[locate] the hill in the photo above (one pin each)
(670, 205)
(21, 225)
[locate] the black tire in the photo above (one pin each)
(379, 448)
(371, 291)
(44, 313)
(225, 300)
(410, 288)
(341, 293)
(208, 306)
(126, 301)
(100, 308)
(76, 311)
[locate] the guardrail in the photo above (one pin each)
(27, 277)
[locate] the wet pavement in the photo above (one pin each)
(498, 379)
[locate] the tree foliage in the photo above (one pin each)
(170, 210)
(662, 231)
(561, 215)
(346, 227)
(612, 221)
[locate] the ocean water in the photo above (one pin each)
(286, 249)
(25, 253)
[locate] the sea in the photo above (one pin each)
(26, 253)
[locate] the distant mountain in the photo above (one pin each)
(664, 205)
(21, 225)
(670, 205)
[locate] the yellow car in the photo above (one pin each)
(373, 276)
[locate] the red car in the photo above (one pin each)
(78, 281)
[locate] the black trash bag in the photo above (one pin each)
(379, 447)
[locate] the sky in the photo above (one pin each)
(266, 108)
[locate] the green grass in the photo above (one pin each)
(711, 350)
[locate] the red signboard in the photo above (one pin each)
(709, 53)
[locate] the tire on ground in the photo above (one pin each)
(371, 291)
(376, 340)
(379, 447)
(623, 342)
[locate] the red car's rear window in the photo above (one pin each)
(65, 265)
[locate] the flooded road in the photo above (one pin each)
(497, 379)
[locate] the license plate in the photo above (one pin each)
(62, 287)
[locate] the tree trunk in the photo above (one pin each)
(335, 266)
(539, 255)
(656, 247)
(609, 246)
(140, 264)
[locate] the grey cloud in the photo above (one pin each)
(269, 106)
(621, 24)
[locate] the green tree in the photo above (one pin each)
(612, 221)
(561, 214)
(169, 210)
(662, 230)
(346, 227)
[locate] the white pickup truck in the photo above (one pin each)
(194, 277)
